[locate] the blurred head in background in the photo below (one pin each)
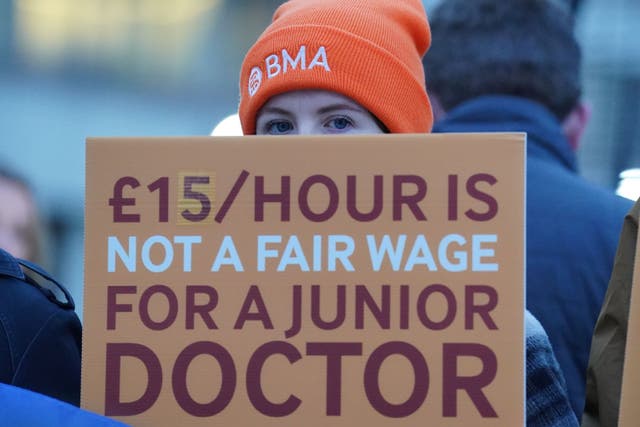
(21, 232)
(524, 48)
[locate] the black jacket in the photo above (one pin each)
(40, 334)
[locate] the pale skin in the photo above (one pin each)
(16, 216)
(314, 112)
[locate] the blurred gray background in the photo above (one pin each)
(70, 69)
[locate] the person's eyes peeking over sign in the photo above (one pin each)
(314, 112)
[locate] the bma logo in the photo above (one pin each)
(255, 80)
(276, 64)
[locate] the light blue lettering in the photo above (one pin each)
(146, 254)
(460, 256)
(187, 242)
(227, 255)
(128, 256)
(420, 254)
(333, 253)
(386, 249)
(317, 253)
(293, 255)
(480, 252)
(263, 252)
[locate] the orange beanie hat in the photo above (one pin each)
(367, 50)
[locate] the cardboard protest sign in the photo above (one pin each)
(317, 281)
(630, 392)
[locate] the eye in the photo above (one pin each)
(339, 123)
(279, 127)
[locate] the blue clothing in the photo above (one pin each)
(24, 408)
(572, 228)
(40, 334)
(547, 400)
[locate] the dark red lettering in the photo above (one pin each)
(231, 197)
(162, 185)
(113, 307)
(341, 304)
(420, 374)
(352, 197)
(453, 197)
(254, 373)
(404, 307)
(228, 380)
(262, 315)
(201, 198)
(172, 312)
(473, 385)
(204, 309)
(334, 352)
(296, 316)
(303, 198)
(283, 198)
(382, 312)
(489, 200)
(118, 201)
(451, 305)
(411, 201)
(113, 406)
(483, 310)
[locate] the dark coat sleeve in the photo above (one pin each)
(606, 359)
(40, 338)
(50, 364)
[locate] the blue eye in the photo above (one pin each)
(340, 123)
(279, 127)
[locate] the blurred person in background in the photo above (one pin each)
(361, 73)
(40, 333)
(514, 66)
(21, 231)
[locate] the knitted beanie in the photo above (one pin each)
(367, 50)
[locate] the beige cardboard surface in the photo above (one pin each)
(630, 393)
(262, 281)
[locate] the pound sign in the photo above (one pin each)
(117, 201)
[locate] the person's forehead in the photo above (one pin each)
(308, 95)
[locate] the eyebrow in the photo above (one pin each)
(277, 110)
(340, 106)
(323, 110)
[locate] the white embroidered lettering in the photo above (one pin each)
(301, 58)
(320, 59)
(276, 65)
(273, 65)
